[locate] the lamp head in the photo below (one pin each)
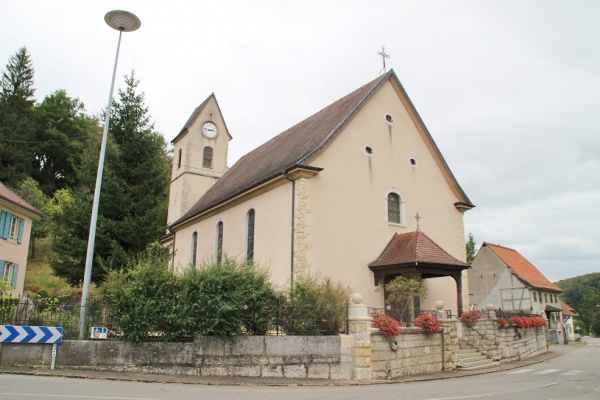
(123, 21)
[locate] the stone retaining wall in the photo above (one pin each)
(414, 352)
(506, 344)
(325, 357)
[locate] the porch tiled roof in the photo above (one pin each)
(525, 270)
(414, 248)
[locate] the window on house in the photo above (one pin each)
(534, 296)
(10, 272)
(11, 226)
(179, 160)
(219, 244)
(250, 235)
(546, 297)
(207, 157)
(393, 205)
(194, 247)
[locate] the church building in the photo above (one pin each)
(358, 192)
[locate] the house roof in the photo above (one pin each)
(525, 270)
(297, 146)
(567, 310)
(414, 248)
(11, 197)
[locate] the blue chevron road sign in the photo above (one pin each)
(30, 334)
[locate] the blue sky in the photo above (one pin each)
(508, 89)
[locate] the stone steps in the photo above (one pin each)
(470, 359)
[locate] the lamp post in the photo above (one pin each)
(122, 21)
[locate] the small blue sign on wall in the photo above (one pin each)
(99, 332)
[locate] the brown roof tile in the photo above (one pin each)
(10, 196)
(414, 247)
(567, 310)
(525, 270)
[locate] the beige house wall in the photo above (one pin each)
(14, 252)
(491, 281)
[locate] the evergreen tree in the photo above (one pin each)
(471, 246)
(16, 122)
(133, 201)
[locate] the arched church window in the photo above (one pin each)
(393, 208)
(207, 157)
(219, 243)
(250, 235)
(194, 247)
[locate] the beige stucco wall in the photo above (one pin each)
(14, 252)
(272, 234)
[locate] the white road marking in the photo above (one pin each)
(547, 371)
(573, 372)
(521, 371)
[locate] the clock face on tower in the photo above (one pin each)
(209, 130)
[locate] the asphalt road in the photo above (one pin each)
(574, 375)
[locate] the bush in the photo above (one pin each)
(314, 306)
(428, 322)
(386, 324)
(219, 299)
(229, 298)
(145, 300)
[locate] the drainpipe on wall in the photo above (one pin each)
(173, 251)
(285, 174)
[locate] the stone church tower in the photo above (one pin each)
(199, 157)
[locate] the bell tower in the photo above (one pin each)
(199, 157)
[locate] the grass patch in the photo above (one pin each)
(39, 274)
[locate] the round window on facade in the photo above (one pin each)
(389, 118)
(369, 150)
(413, 161)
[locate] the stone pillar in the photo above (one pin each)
(359, 326)
(450, 347)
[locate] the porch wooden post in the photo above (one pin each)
(459, 297)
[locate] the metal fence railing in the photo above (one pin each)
(54, 312)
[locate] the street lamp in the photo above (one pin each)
(122, 21)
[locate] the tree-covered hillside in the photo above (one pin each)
(583, 294)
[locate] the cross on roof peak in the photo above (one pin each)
(383, 55)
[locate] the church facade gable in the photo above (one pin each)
(343, 219)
